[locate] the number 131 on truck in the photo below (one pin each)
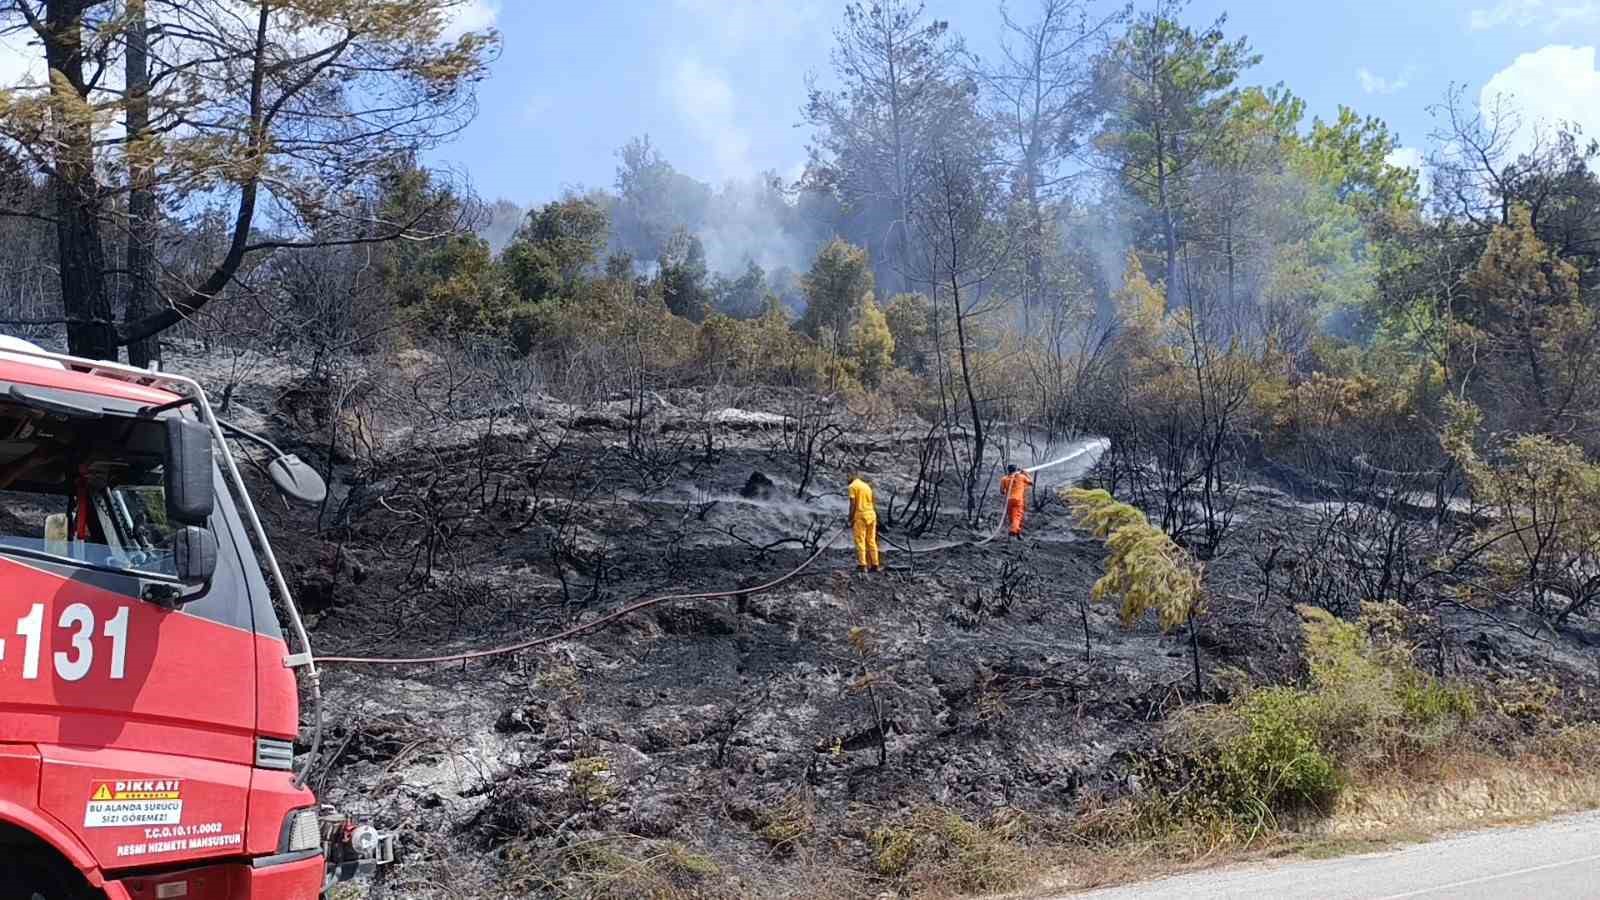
(149, 695)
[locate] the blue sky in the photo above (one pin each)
(718, 84)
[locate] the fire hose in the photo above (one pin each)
(626, 611)
(586, 627)
(630, 609)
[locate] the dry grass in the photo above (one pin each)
(628, 867)
(1442, 793)
(615, 867)
(1461, 790)
(789, 825)
(935, 852)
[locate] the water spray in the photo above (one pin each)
(1097, 446)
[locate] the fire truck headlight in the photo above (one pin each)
(302, 831)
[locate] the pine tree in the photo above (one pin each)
(1523, 343)
(1145, 569)
(246, 102)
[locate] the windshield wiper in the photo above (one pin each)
(53, 406)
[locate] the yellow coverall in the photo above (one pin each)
(864, 524)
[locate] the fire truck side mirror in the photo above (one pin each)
(297, 481)
(188, 472)
(194, 554)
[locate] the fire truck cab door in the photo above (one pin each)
(144, 717)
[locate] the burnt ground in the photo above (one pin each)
(741, 734)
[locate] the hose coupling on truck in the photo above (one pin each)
(352, 847)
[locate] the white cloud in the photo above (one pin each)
(1550, 86)
(1378, 84)
(1520, 13)
(472, 15)
(705, 100)
(1405, 158)
(1553, 14)
(1586, 12)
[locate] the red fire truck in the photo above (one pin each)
(149, 698)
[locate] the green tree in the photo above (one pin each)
(654, 201)
(1166, 89)
(1353, 154)
(871, 343)
(1522, 342)
(899, 81)
(452, 287)
(446, 282)
(744, 297)
(682, 277)
(1345, 210)
(247, 100)
(839, 277)
(1241, 194)
(909, 317)
(1344, 205)
(556, 248)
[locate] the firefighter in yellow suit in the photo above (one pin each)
(864, 524)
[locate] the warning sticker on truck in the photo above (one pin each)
(123, 804)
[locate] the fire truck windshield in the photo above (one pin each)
(84, 491)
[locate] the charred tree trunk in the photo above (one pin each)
(978, 435)
(1169, 227)
(190, 301)
(1194, 654)
(141, 298)
(1033, 287)
(91, 332)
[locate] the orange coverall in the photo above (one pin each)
(1015, 488)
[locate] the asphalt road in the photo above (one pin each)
(1559, 859)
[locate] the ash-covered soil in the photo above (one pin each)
(737, 736)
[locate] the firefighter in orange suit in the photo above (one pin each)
(1014, 486)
